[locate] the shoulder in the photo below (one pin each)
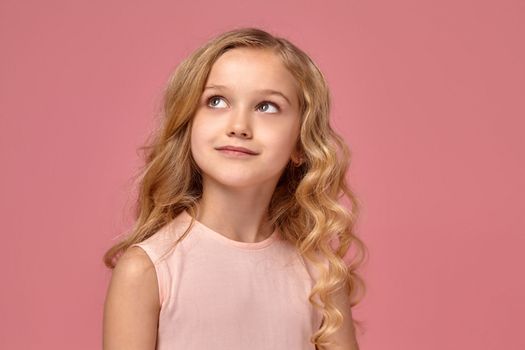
(134, 262)
(134, 279)
(131, 309)
(136, 269)
(135, 273)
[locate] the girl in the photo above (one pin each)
(238, 212)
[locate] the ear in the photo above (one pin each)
(294, 157)
(297, 156)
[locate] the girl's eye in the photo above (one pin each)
(214, 98)
(264, 103)
(268, 103)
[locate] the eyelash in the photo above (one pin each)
(262, 103)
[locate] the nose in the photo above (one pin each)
(240, 124)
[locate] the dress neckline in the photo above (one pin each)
(243, 245)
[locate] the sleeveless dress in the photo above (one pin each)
(222, 294)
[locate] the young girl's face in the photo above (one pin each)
(249, 100)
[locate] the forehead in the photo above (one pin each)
(244, 70)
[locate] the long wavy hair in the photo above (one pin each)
(305, 204)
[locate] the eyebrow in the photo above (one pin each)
(266, 91)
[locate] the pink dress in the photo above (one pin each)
(222, 294)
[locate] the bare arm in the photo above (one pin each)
(131, 308)
(344, 336)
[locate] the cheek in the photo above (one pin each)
(282, 143)
(198, 140)
(200, 133)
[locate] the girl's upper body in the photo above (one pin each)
(246, 143)
(219, 293)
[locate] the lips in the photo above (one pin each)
(237, 148)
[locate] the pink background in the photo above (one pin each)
(429, 96)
